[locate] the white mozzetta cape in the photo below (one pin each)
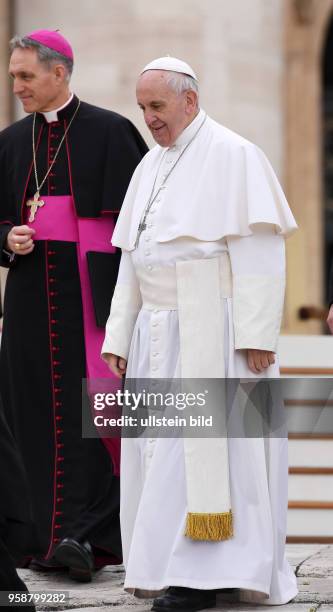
(222, 186)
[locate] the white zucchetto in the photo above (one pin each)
(170, 63)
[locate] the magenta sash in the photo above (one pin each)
(57, 220)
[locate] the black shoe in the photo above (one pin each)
(45, 565)
(78, 557)
(182, 599)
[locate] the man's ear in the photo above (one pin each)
(59, 72)
(191, 101)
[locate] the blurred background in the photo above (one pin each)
(266, 71)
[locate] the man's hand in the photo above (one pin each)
(329, 319)
(116, 364)
(19, 240)
(259, 360)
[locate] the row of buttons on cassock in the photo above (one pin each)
(155, 323)
(155, 354)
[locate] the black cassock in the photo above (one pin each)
(78, 495)
(15, 508)
(15, 511)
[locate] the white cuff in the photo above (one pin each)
(125, 307)
(257, 311)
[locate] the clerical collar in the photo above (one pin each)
(64, 112)
(189, 131)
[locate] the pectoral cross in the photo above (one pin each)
(34, 204)
(142, 227)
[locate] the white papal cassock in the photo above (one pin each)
(222, 201)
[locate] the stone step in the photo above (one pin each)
(306, 355)
(309, 416)
(310, 521)
(318, 486)
(310, 452)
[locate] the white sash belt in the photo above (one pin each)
(159, 287)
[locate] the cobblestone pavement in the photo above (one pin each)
(313, 565)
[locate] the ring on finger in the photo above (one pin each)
(17, 245)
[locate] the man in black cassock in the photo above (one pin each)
(89, 154)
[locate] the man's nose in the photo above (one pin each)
(149, 118)
(18, 87)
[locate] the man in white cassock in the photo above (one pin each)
(200, 295)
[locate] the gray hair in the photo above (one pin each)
(180, 82)
(45, 55)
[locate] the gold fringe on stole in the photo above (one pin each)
(211, 527)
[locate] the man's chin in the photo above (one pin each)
(28, 107)
(163, 142)
(161, 137)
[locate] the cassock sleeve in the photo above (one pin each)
(258, 271)
(125, 306)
